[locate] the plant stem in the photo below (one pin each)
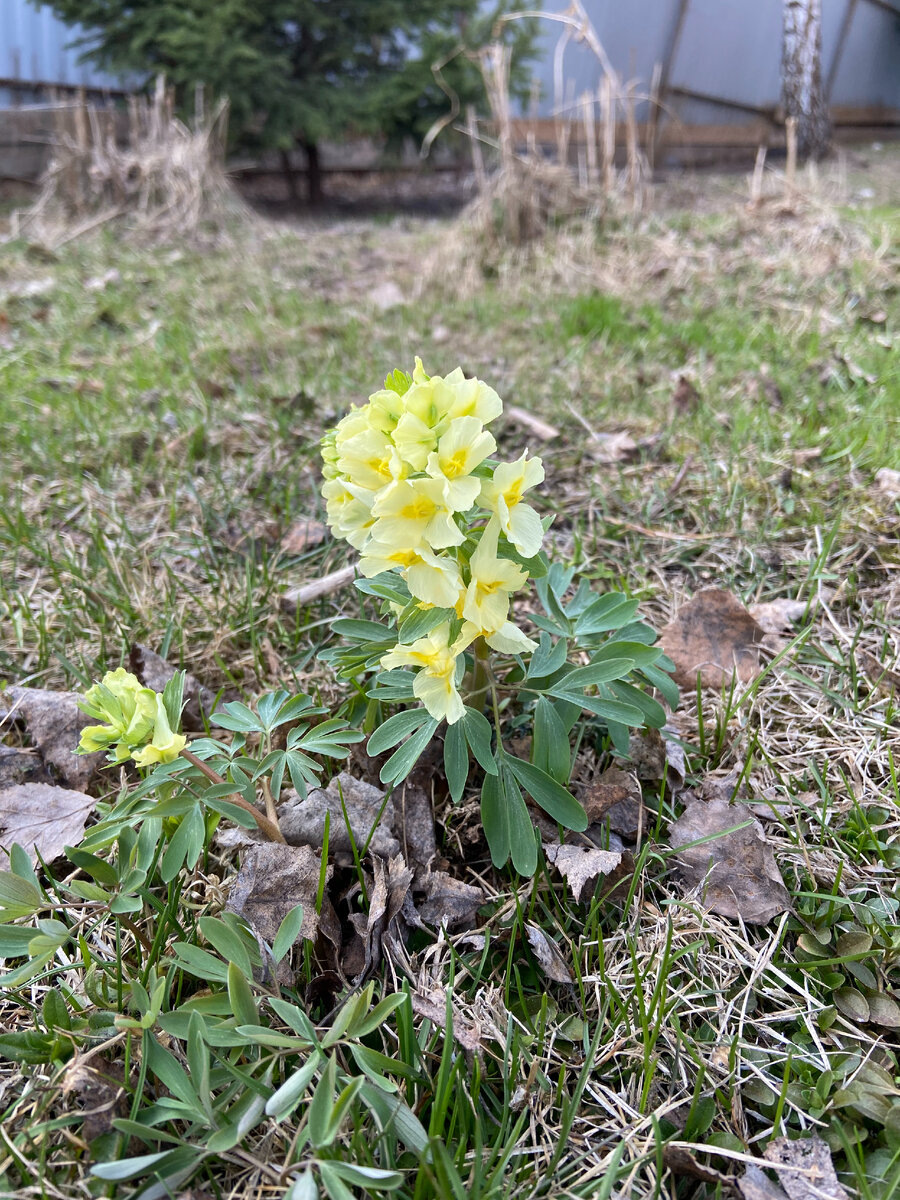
(267, 826)
(479, 680)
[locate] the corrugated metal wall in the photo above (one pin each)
(722, 58)
(35, 55)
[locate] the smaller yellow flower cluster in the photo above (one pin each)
(136, 724)
(409, 484)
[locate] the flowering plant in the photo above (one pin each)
(446, 537)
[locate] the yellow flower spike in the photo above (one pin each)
(435, 683)
(127, 708)
(492, 580)
(349, 511)
(414, 511)
(502, 496)
(165, 746)
(456, 396)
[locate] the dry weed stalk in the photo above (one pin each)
(168, 179)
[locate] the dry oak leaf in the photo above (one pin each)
(755, 1184)
(816, 1178)
(735, 869)
(43, 819)
(449, 901)
(713, 634)
(303, 821)
(391, 886)
(432, 1006)
(581, 867)
(273, 878)
(54, 723)
(303, 535)
(615, 799)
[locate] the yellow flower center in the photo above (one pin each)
(417, 510)
(456, 464)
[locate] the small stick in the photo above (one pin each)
(790, 170)
(298, 597)
(268, 827)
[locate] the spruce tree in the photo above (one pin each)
(297, 71)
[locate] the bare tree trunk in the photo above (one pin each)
(801, 72)
(315, 194)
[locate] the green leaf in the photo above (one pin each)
(552, 797)
(550, 748)
(594, 674)
(664, 683)
(478, 735)
(198, 1059)
(369, 1022)
(14, 940)
(607, 612)
(169, 1071)
(240, 994)
(173, 699)
(29, 1046)
(654, 713)
(288, 932)
(395, 729)
(285, 1099)
(393, 1113)
(640, 654)
(227, 942)
(522, 841)
(238, 718)
(612, 710)
(303, 1187)
(495, 820)
(402, 761)
(321, 1107)
(18, 894)
(186, 845)
(199, 963)
(376, 1179)
(356, 630)
(422, 622)
(334, 1185)
(398, 381)
(456, 760)
(130, 1168)
(548, 658)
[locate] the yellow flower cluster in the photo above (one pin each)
(409, 483)
(136, 724)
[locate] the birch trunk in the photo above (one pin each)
(801, 70)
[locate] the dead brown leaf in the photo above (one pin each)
(303, 535)
(432, 1006)
(816, 1178)
(548, 954)
(54, 723)
(735, 868)
(615, 798)
(713, 634)
(450, 901)
(581, 867)
(778, 616)
(414, 825)
(303, 821)
(98, 1093)
(155, 672)
(754, 1184)
(21, 766)
(877, 672)
(273, 878)
(392, 881)
(657, 757)
(42, 819)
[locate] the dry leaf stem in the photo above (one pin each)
(268, 826)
